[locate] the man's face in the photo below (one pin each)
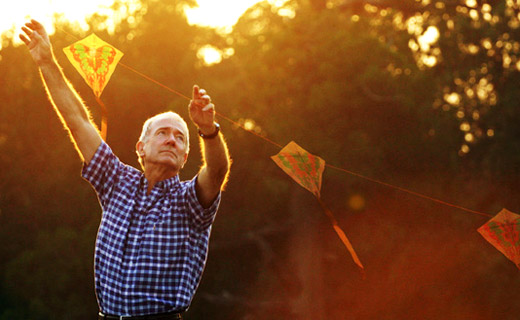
(165, 146)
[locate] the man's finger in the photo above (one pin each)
(195, 94)
(27, 31)
(24, 39)
(36, 25)
(196, 104)
(202, 101)
(209, 107)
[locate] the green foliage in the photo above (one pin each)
(343, 80)
(55, 277)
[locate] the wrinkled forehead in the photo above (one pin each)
(171, 122)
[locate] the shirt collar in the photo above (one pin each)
(165, 185)
(169, 184)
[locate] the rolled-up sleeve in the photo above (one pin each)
(102, 172)
(201, 217)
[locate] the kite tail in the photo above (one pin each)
(342, 236)
(104, 118)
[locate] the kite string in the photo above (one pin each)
(133, 70)
(189, 99)
(326, 164)
(408, 191)
(250, 131)
(182, 95)
(155, 81)
(280, 146)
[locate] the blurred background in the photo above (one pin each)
(419, 94)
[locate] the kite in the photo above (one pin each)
(95, 60)
(503, 232)
(303, 167)
(307, 170)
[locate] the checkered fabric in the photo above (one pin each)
(150, 249)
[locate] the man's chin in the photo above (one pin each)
(173, 165)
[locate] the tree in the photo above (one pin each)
(377, 87)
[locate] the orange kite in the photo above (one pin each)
(307, 170)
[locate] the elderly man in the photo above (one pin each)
(153, 237)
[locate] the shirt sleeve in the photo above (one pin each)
(102, 172)
(202, 217)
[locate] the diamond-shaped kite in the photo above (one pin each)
(503, 232)
(95, 60)
(303, 167)
(307, 170)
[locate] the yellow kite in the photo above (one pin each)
(95, 60)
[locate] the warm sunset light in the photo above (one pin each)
(21, 11)
(209, 55)
(216, 14)
(374, 146)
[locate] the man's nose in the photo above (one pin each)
(170, 139)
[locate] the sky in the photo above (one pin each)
(221, 14)
(218, 14)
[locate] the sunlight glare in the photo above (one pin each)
(464, 149)
(471, 3)
(224, 14)
(249, 124)
(221, 15)
(210, 55)
(452, 98)
(218, 14)
(465, 126)
(44, 10)
(430, 36)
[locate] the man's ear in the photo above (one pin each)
(139, 148)
(185, 159)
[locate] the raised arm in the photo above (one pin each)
(215, 170)
(66, 101)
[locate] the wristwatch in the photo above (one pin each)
(210, 136)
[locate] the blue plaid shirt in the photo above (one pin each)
(150, 249)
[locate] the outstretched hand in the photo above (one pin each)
(202, 111)
(37, 41)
